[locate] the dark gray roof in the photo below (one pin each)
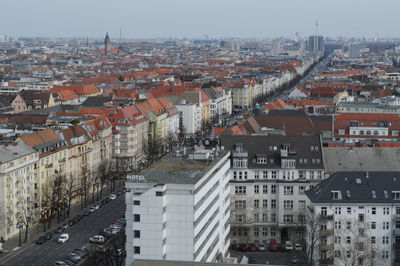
(61, 108)
(357, 187)
(96, 101)
(361, 159)
(261, 145)
(5, 106)
(287, 112)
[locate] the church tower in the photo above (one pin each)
(107, 47)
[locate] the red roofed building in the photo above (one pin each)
(130, 134)
(82, 91)
(367, 128)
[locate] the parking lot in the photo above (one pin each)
(275, 258)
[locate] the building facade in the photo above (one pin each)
(178, 209)
(356, 219)
(269, 175)
(18, 184)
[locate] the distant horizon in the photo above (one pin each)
(152, 19)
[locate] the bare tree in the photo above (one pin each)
(354, 246)
(52, 195)
(69, 192)
(104, 173)
(26, 218)
(85, 185)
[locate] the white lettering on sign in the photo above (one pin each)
(135, 178)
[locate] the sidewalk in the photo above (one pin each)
(33, 234)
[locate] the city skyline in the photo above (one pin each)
(195, 19)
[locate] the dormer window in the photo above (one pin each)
(336, 195)
(396, 195)
(239, 147)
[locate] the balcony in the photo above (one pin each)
(61, 160)
(326, 217)
(396, 246)
(326, 247)
(396, 231)
(49, 165)
(327, 232)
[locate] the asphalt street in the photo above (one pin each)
(79, 234)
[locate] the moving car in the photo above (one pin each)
(63, 238)
(297, 247)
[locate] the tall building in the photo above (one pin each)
(178, 209)
(355, 218)
(107, 45)
(354, 50)
(316, 44)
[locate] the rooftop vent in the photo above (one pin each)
(348, 195)
(385, 193)
(373, 194)
(358, 180)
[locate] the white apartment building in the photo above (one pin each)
(269, 175)
(357, 219)
(190, 115)
(17, 186)
(178, 209)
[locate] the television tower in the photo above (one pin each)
(316, 27)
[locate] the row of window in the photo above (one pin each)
(287, 190)
(243, 175)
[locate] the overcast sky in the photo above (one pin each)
(193, 18)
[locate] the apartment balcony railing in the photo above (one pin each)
(396, 231)
(326, 217)
(49, 165)
(327, 232)
(326, 247)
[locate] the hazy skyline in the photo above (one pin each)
(190, 18)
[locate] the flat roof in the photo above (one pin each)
(181, 170)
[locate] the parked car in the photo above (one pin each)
(243, 247)
(274, 247)
(117, 223)
(59, 230)
(106, 234)
(94, 208)
(113, 196)
(116, 226)
(72, 259)
(252, 247)
(120, 192)
(294, 259)
(48, 236)
(41, 240)
(288, 246)
(261, 247)
(83, 253)
(71, 222)
(118, 252)
(65, 226)
(75, 255)
(1, 248)
(97, 239)
(234, 247)
(63, 238)
(87, 213)
(297, 247)
(69, 262)
(79, 218)
(60, 263)
(121, 221)
(252, 260)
